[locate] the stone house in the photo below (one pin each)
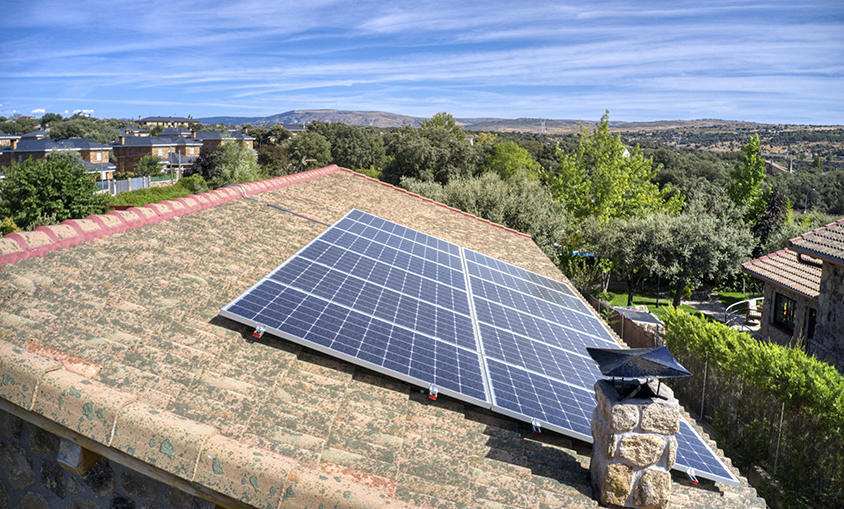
(93, 154)
(173, 151)
(804, 293)
(113, 353)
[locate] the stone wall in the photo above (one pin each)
(829, 331)
(31, 478)
(775, 333)
(634, 447)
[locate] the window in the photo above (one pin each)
(784, 311)
(161, 152)
(811, 318)
(99, 156)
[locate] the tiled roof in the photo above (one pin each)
(156, 141)
(130, 301)
(827, 242)
(788, 270)
(46, 145)
(220, 135)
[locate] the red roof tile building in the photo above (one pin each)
(804, 293)
(111, 343)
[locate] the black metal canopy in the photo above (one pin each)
(637, 363)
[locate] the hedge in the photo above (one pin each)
(750, 387)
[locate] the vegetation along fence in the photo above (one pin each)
(768, 405)
(630, 332)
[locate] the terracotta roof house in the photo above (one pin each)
(93, 154)
(112, 343)
(163, 121)
(772, 168)
(804, 293)
(173, 151)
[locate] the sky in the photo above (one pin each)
(775, 62)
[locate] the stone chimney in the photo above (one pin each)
(13, 143)
(634, 447)
(123, 140)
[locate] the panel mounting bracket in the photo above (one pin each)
(432, 392)
(259, 331)
(537, 428)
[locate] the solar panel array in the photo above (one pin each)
(440, 316)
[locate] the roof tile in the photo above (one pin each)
(80, 404)
(789, 270)
(21, 372)
(826, 242)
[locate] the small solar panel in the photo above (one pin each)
(431, 313)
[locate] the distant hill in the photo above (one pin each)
(384, 119)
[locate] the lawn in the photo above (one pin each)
(649, 299)
(729, 298)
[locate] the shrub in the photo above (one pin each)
(57, 187)
(8, 226)
(185, 186)
(748, 384)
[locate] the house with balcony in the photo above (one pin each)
(804, 293)
(175, 152)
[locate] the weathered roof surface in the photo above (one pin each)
(827, 242)
(129, 305)
(788, 270)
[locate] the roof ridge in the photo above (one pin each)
(44, 239)
(818, 230)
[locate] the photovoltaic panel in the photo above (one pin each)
(428, 312)
(534, 339)
(379, 295)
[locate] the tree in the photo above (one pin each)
(48, 119)
(148, 165)
(518, 203)
(79, 126)
(309, 145)
(274, 161)
(697, 247)
(56, 187)
(446, 121)
(745, 189)
(508, 158)
(351, 146)
(229, 164)
(629, 243)
(432, 153)
(598, 180)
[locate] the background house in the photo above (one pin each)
(177, 151)
(804, 293)
(163, 121)
(94, 155)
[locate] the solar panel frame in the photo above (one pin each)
(431, 313)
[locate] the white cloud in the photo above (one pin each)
(87, 113)
(38, 111)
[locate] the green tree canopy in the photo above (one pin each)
(508, 158)
(148, 165)
(599, 180)
(518, 203)
(746, 181)
(274, 161)
(229, 164)
(697, 247)
(309, 145)
(352, 147)
(432, 153)
(446, 121)
(80, 126)
(57, 188)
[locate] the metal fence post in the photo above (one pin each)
(703, 392)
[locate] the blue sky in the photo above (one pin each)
(770, 62)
